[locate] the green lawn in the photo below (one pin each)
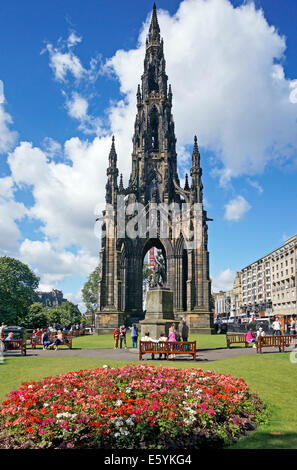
(272, 376)
(106, 341)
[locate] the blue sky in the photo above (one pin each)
(69, 72)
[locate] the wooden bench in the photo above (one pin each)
(37, 341)
(236, 338)
(15, 345)
(281, 342)
(167, 348)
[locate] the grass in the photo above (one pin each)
(271, 376)
(106, 341)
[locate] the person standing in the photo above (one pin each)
(172, 336)
(134, 335)
(293, 326)
(185, 331)
(123, 331)
(116, 335)
(276, 327)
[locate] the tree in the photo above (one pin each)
(69, 314)
(146, 271)
(17, 290)
(90, 291)
(37, 317)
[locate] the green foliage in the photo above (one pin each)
(90, 290)
(37, 317)
(17, 290)
(41, 317)
(146, 271)
(67, 313)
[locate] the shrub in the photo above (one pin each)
(131, 407)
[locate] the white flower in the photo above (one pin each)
(119, 402)
(46, 405)
(130, 421)
(128, 390)
(30, 386)
(105, 366)
(117, 434)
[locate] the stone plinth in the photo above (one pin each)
(200, 322)
(159, 313)
(107, 321)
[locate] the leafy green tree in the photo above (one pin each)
(65, 314)
(90, 291)
(146, 271)
(37, 317)
(17, 290)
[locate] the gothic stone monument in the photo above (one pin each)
(154, 180)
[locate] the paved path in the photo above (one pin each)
(203, 355)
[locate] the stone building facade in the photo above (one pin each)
(154, 181)
(51, 299)
(269, 284)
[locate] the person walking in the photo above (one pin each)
(134, 335)
(123, 331)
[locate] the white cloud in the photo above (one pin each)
(10, 212)
(52, 264)
(255, 185)
(227, 86)
(224, 281)
(7, 136)
(65, 64)
(77, 107)
(236, 208)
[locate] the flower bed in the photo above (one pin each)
(130, 407)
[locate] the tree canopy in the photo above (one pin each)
(90, 291)
(17, 290)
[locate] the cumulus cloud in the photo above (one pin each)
(66, 65)
(10, 212)
(77, 107)
(229, 87)
(7, 136)
(224, 281)
(228, 84)
(236, 208)
(52, 264)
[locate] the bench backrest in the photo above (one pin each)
(168, 346)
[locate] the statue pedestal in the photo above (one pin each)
(159, 313)
(106, 321)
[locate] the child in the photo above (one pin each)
(116, 335)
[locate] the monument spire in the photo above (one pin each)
(112, 176)
(154, 31)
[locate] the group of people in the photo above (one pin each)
(119, 335)
(47, 340)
